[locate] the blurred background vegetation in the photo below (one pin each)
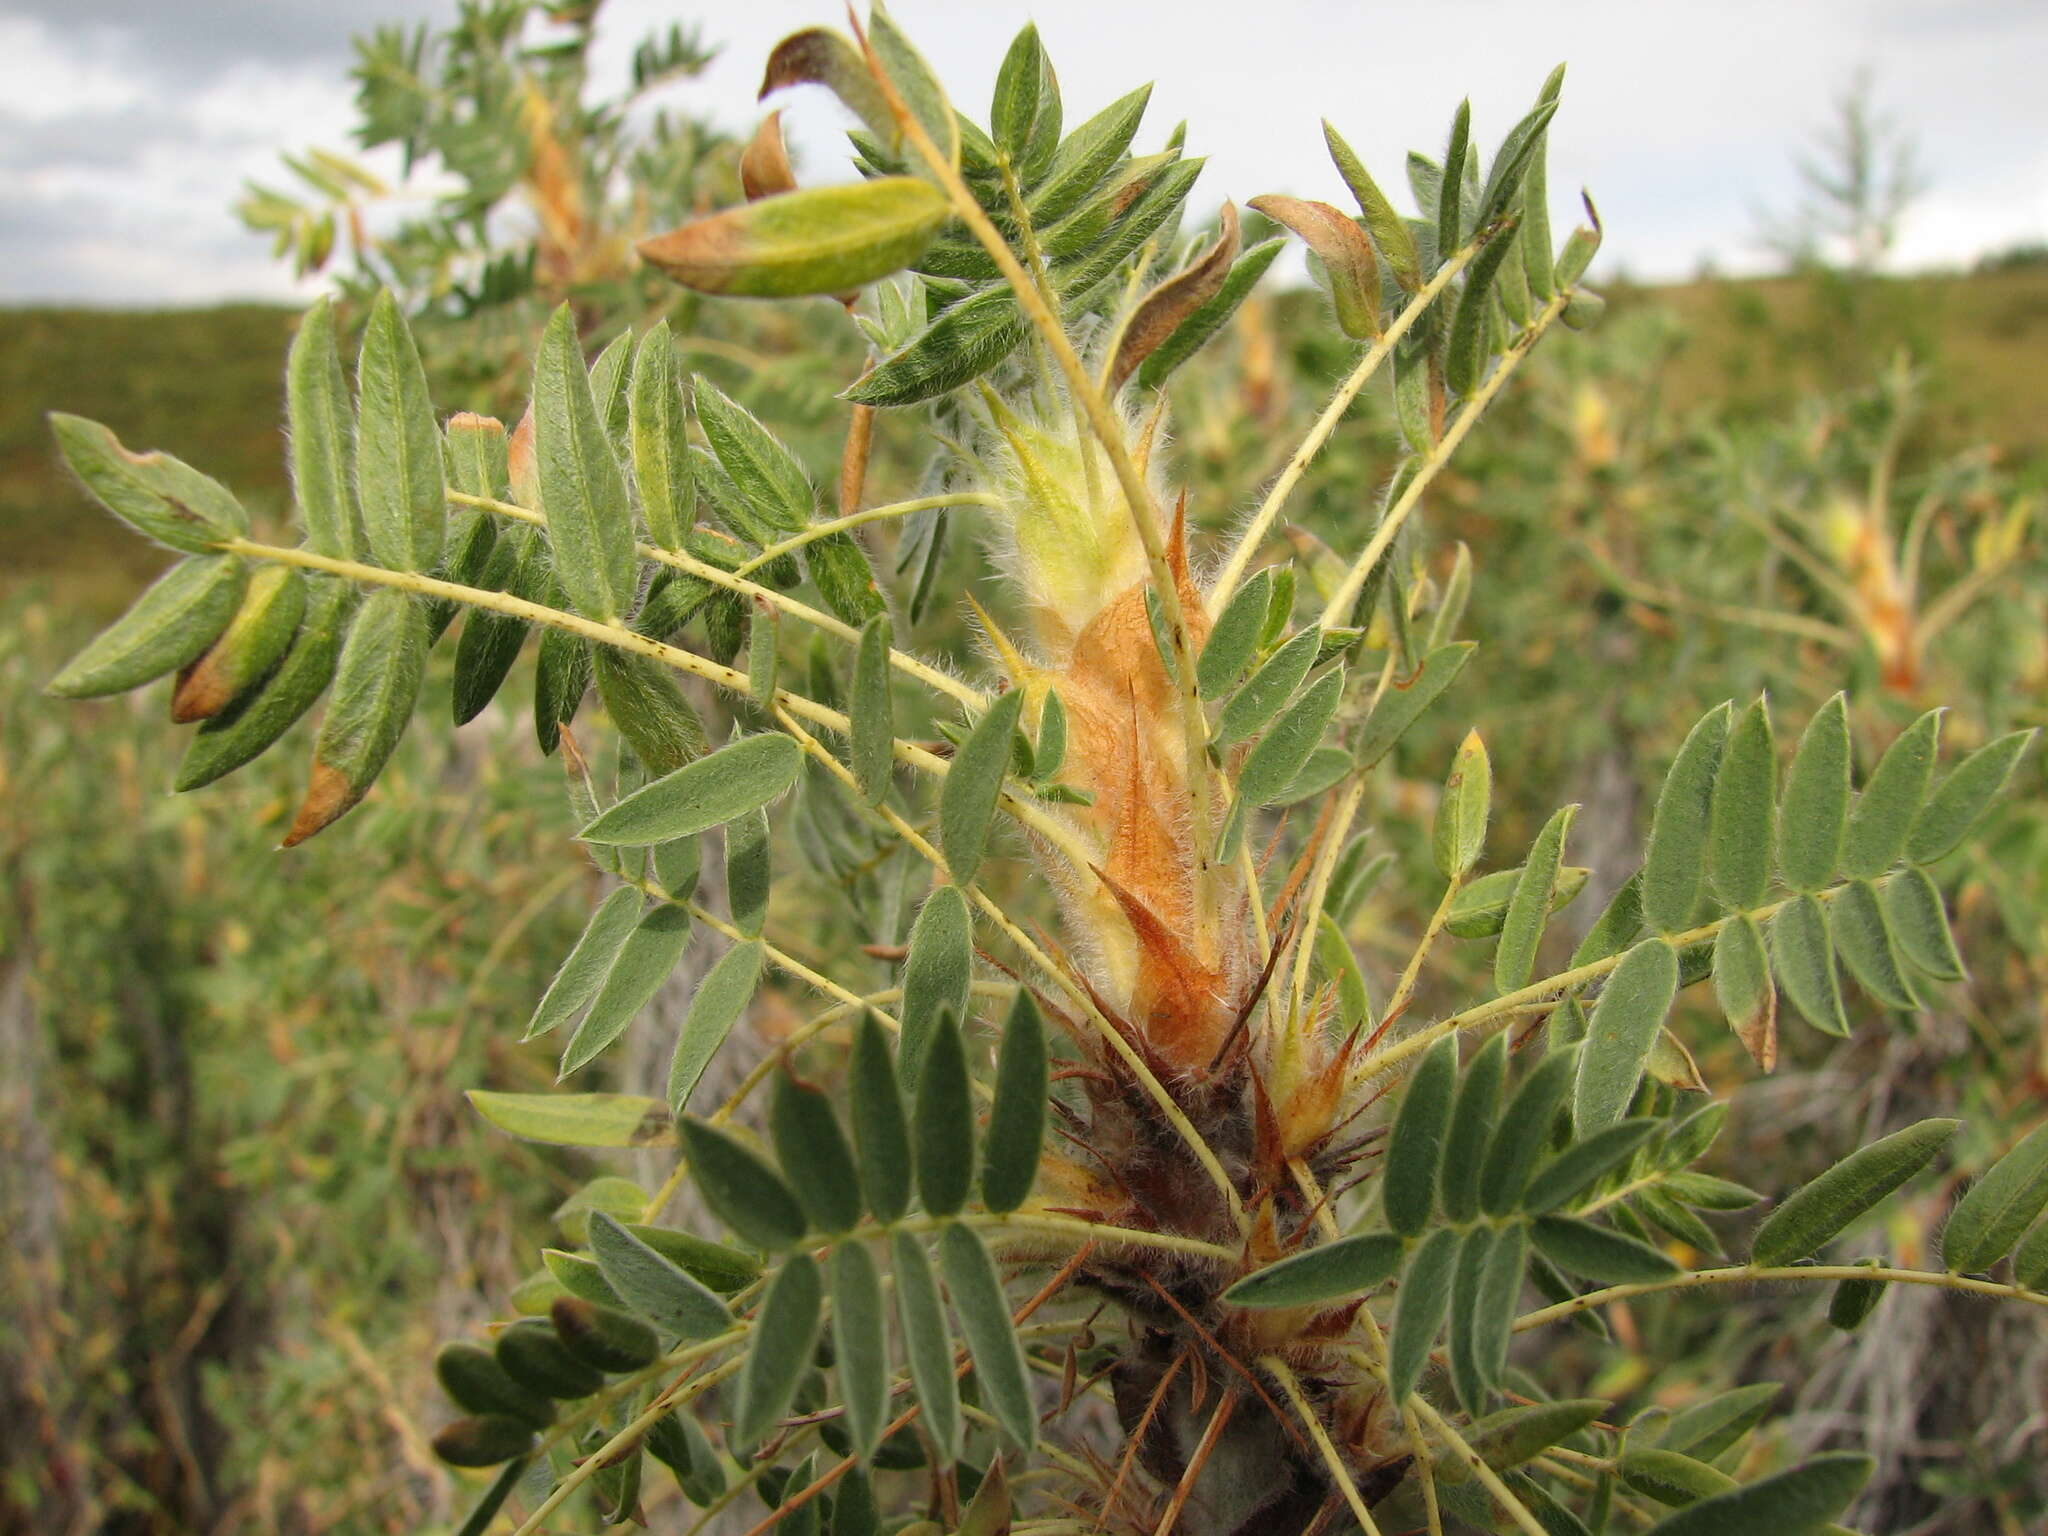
(242, 1195)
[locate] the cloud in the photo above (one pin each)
(127, 127)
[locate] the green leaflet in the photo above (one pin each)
(588, 963)
(1814, 812)
(1466, 356)
(974, 781)
(1621, 1031)
(1523, 1132)
(169, 625)
(814, 1154)
(399, 473)
(860, 1345)
(1231, 642)
(491, 642)
(531, 1355)
(1271, 686)
(1856, 924)
(944, 1121)
(1448, 205)
(642, 964)
(1803, 958)
(473, 1378)
(742, 1190)
(1744, 792)
(1487, 1329)
(575, 1275)
(484, 1441)
(1854, 1300)
(764, 472)
(658, 425)
(1340, 965)
(1707, 1193)
(608, 386)
(1049, 752)
(720, 1000)
(1024, 114)
(254, 724)
(1574, 1170)
(1283, 751)
(663, 1292)
(1963, 798)
(2030, 1260)
(1415, 1145)
(650, 709)
(814, 240)
(872, 709)
(927, 1344)
(1597, 1254)
(561, 677)
(1469, 1326)
(321, 436)
(937, 972)
(1403, 703)
(1459, 831)
(728, 783)
(1529, 908)
(779, 1348)
(1919, 926)
(1743, 988)
(1999, 1207)
(984, 1313)
(1419, 1307)
(1883, 814)
(1676, 856)
(1791, 1503)
(1017, 1115)
(376, 683)
(1389, 231)
(1671, 1477)
(724, 1269)
(1511, 161)
(748, 874)
(577, 1119)
(1514, 1435)
(1335, 1271)
(1471, 1129)
(839, 569)
(582, 488)
(961, 343)
(1480, 908)
(1616, 927)
(881, 1133)
(159, 496)
(1086, 155)
(1822, 1209)
(1193, 333)
(1707, 1428)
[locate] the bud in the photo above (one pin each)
(473, 1378)
(533, 1356)
(603, 1337)
(484, 1441)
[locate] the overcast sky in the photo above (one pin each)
(128, 126)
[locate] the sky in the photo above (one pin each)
(128, 127)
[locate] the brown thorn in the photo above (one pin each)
(1233, 1362)
(1196, 1462)
(1137, 1438)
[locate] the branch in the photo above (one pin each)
(1475, 406)
(1740, 1274)
(1255, 531)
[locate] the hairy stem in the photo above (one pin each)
(1741, 1274)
